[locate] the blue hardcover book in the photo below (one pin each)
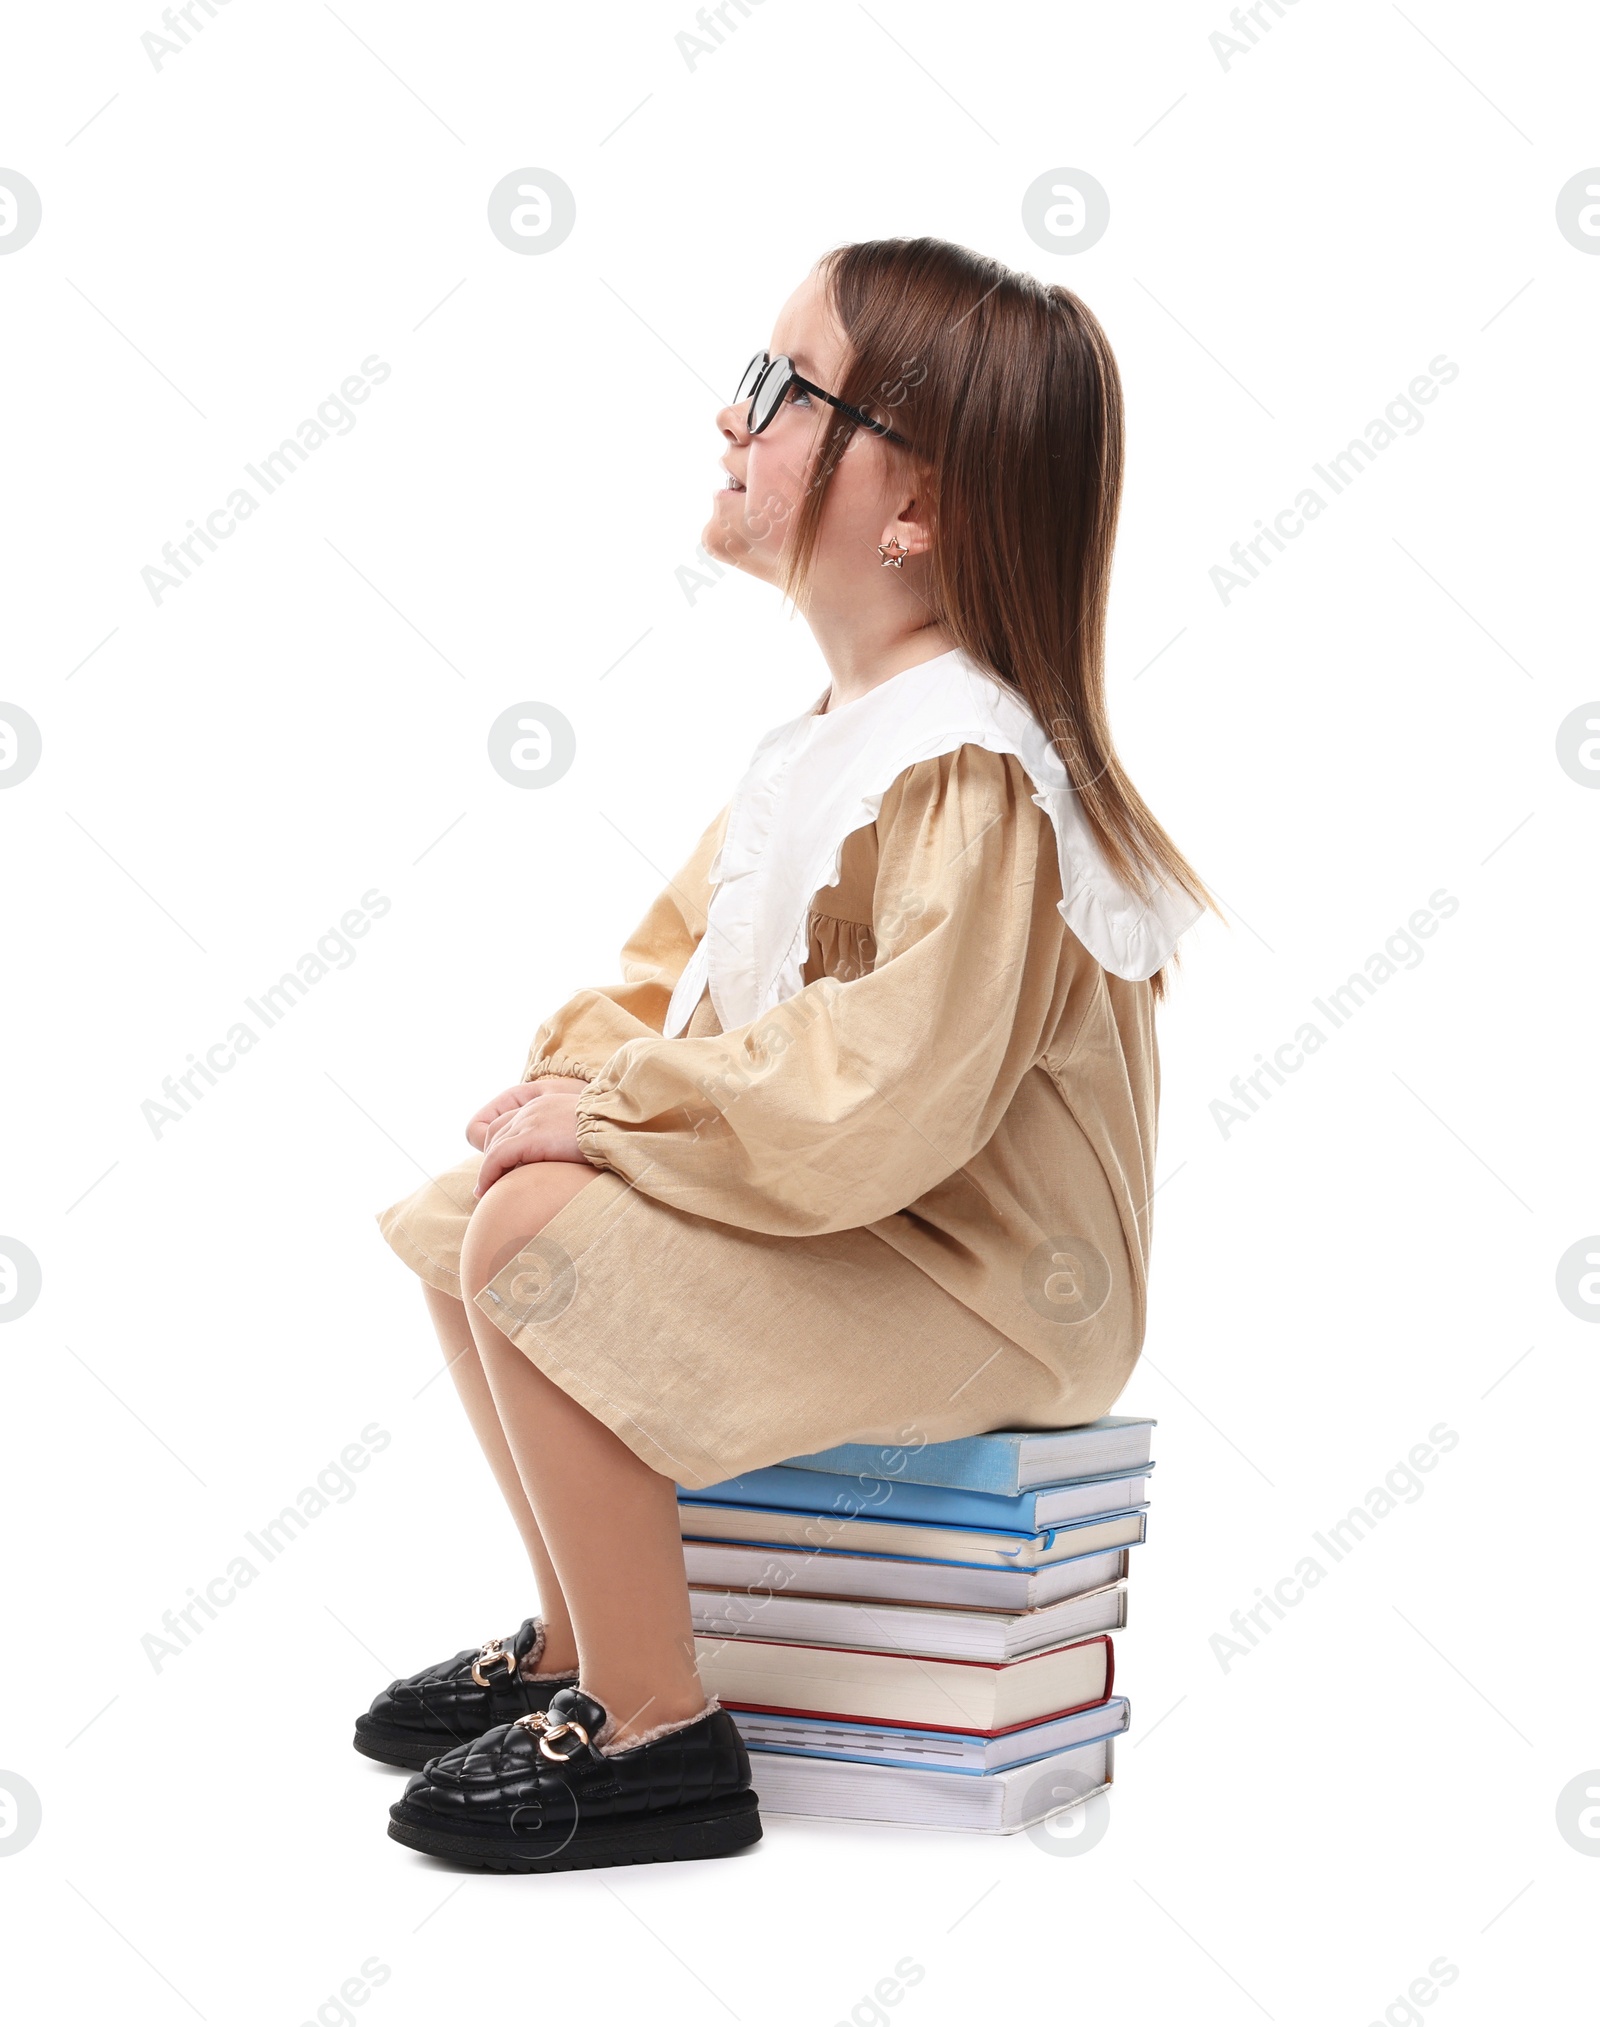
(1004, 1460)
(904, 1745)
(829, 1492)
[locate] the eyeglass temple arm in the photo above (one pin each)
(855, 414)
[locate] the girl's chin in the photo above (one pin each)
(732, 549)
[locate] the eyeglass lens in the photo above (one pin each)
(769, 394)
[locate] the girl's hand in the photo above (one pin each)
(544, 1129)
(481, 1125)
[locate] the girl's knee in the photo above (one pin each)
(510, 1213)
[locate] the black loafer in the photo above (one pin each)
(425, 1714)
(538, 1795)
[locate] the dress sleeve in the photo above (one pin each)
(853, 1098)
(580, 1036)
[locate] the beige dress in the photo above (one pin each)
(910, 1203)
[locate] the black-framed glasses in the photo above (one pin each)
(765, 383)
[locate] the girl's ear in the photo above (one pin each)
(908, 529)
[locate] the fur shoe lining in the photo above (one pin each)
(608, 1730)
(528, 1670)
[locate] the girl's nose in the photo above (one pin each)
(733, 422)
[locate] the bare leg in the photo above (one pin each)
(466, 1369)
(610, 1523)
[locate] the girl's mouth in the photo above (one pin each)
(731, 485)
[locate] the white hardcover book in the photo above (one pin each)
(870, 1686)
(790, 1784)
(826, 1573)
(961, 1634)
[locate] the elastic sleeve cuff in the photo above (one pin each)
(557, 1066)
(589, 1131)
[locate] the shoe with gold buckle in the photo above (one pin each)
(539, 1795)
(445, 1705)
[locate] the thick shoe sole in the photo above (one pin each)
(400, 1748)
(703, 1830)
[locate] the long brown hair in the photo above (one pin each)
(1008, 389)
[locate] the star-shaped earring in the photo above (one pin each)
(891, 552)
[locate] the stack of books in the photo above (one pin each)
(924, 1635)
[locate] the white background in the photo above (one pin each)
(1293, 238)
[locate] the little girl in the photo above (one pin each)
(861, 1148)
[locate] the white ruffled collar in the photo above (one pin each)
(815, 780)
